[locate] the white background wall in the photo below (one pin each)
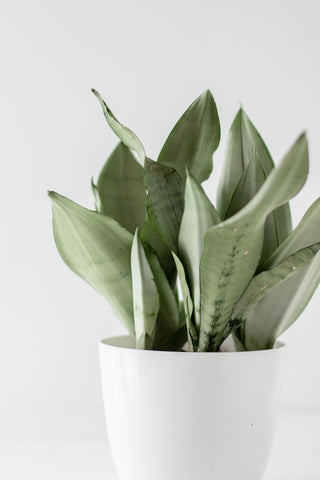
(149, 60)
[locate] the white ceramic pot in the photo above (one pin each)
(187, 416)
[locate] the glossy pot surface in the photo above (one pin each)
(183, 416)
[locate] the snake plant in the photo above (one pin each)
(242, 270)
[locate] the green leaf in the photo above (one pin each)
(247, 165)
(165, 201)
(97, 200)
(266, 281)
(194, 139)
(193, 335)
(150, 237)
(97, 249)
(199, 214)
(144, 342)
(123, 133)
(178, 339)
(289, 299)
(146, 300)
(167, 322)
(306, 233)
(121, 189)
(279, 309)
(232, 248)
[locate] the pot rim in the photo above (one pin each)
(111, 342)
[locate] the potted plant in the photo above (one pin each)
(192, 392)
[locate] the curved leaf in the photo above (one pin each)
(146, 300)
(263, 283)
(97, 200)
(232, 248)
(306, 233)
(97, 249)
(288, 300)
(247, 165)
(199, 214)
(124, 133)
(194, 139)
(279, 309)
(165, 200)
(121, 189)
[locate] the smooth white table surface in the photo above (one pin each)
(84, 454)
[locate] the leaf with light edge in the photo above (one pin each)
(146, 298)
(124, 133)
(287, 300)
(232, 248)
(97, 249)
(247, 165)
(198, 216)
(266, 281)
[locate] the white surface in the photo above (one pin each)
(150, 60)
(195, 412)
(74, 456)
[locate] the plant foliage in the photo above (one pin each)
(242, 270)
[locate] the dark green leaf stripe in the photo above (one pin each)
(232, 248)
(165, 201)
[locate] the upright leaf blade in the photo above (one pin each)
(121, 189)
(165, 201)
(232, 248)
(167, 322)
(199, 214)
(146, 298)
(247, 165)
(194, 139)
(97, 249)
(193, 334)
(124, 133)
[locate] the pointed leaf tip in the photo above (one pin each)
(52, 195)
(123, 133)
(121, 190)
(97, 249)
(207, 93)
(194, 139)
